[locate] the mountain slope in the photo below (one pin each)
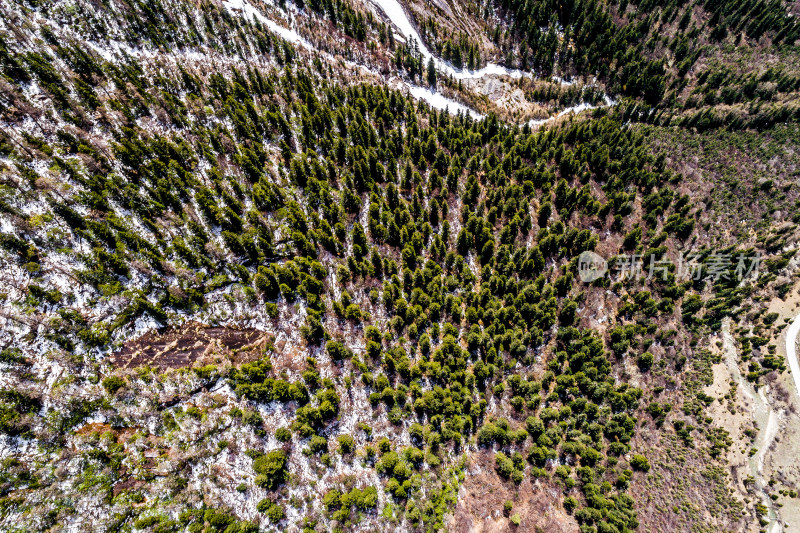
(268, 267)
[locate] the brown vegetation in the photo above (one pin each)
(184, 346)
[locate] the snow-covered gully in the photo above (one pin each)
(607, 102)
(397, 15)
(395, 12)
(433, 98)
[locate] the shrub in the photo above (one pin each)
(332, 500)
(148, 521)
(318, 444)
(645, 361)
(11, 356)
(113, 383)
(312, 331)
(352, 312)
(273, 511)
(640, 462)
(263, 505)
(504, 465)
(570, 504)
(535, 427)
(346, 444)
(283, 434)
(491, 433)
(417, 433)
(271, 469)
(338, 351)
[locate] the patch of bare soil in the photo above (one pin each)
(780, 463)
(732, 411)
(481, 498)
(189, 344)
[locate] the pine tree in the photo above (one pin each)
(431, 73)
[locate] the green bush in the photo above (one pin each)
(318, 444)
(507, 506)
(337, 351)
(346, 444)
(645, 361)
(113, 383)
(273, 511)
(275, 514)
(640, 462)
(283, 434)
(271, 469)
(504, 465)
(147, 521)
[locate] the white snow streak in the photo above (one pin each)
(285, 33)
(436, 100)
(573, 110)
(397, 15)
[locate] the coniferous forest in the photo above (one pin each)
(289, 266)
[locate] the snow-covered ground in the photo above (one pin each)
(439, 101)
(285, 33)
(435, 99)
(397, 15)
(572, 110)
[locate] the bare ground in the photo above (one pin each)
(189, 344)
(481, 497)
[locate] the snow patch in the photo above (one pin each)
(576, 109)
(248, 10)
(397, 15)
(439, 101)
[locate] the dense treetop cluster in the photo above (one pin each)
(430, 258)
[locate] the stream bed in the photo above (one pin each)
(766, 419)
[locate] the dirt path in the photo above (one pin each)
(767, 420)
(791, 352)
